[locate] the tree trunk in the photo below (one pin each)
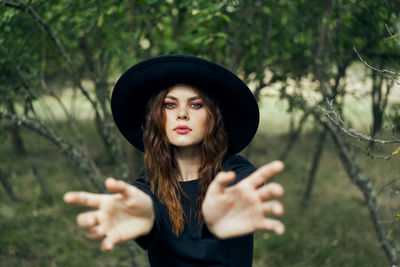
(14, 130)
(377, 108)
(319, 147)
(364, 183)
(104, 122)
(45, 193)
(6, 185)
(294, 135)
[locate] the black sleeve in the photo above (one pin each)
(148, 240)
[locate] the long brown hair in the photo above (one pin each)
(162, 167)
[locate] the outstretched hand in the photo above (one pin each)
(124, 215)
(231, 211)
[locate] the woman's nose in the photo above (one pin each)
(182, 114)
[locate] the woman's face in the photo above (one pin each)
(186, 116)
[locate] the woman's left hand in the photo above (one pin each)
(231, 211)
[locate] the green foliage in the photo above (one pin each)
(244, 36)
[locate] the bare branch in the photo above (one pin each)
(389, 184)
(43, 87)
(83, 161)
(392, 36)
(384, 72)
(336, 119)
(372, 155)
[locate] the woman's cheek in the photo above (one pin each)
(203, 120)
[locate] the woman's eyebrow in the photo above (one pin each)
(171, 97)
(189, 99)
(194, 98)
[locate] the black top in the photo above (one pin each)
(195, 246)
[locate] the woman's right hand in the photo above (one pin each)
(124, 215)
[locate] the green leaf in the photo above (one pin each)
(100, 20)
(221, 35)
(208, 41)
(225, 17)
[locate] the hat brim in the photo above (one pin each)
(134, 88)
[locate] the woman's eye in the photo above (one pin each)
(169, 105)
(196, 105)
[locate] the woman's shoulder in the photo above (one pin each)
(240, 165)
(142, 181)
(234, 161)
(142, 176)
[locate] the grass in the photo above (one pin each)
(335, 229)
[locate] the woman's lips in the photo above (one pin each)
(182, 129)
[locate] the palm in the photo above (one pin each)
(235, 210)
(240, 209)
(125, 215)
(118, 215)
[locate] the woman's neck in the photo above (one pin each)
(189, 161)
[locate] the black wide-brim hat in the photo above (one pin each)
(138, 84)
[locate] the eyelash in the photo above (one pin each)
(169, 105)
(194, 105)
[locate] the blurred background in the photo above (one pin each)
(325, 74)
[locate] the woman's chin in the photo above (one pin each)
(186, 145)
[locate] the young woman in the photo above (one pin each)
(196, 203)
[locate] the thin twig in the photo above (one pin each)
(386, 185)
(392, 36)
(335, 117)
(384, 72)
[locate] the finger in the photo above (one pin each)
(95, 232)
(270, 190)
(222, 180)
(272, 207)
(112, 238)
(116, 186)
(128, 192)
(272, 225)
(83, 198)
(264, 172)
(118, 235)
(87, 219)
